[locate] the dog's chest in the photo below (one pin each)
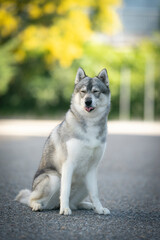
(91, 137)
(83, 154)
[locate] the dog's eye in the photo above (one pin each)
(83, 91)
(95, 91)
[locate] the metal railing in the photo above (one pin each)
(149, 92)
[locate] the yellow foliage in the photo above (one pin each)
(66, 39)
(20, 55)
(34, 10)
(70, 26)
(62, 41)
(49, 8)
(72, 4)
(110, 21)
(8, 23)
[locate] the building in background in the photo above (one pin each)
(139, 18)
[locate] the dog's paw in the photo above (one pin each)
(65, 211)
(102, 210)
(36, 206)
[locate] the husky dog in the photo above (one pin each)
(68, 168)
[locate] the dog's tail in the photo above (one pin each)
(23, 196)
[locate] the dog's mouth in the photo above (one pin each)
(89, 109)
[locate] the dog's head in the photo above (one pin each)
(91, 95)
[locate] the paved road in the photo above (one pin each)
(129, 180)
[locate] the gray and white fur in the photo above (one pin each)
(67, 173)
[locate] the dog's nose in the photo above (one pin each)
(88, 102)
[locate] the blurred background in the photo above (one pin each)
(42, 43)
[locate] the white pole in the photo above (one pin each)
(124, 102)
(149, 91)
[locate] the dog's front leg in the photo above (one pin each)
(66, 179)
(91, 183)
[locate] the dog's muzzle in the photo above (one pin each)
(88, 105)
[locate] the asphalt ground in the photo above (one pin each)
(129, 185)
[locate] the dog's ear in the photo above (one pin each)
(80, 75)
(103, 76)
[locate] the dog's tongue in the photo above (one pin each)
(88, 109)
